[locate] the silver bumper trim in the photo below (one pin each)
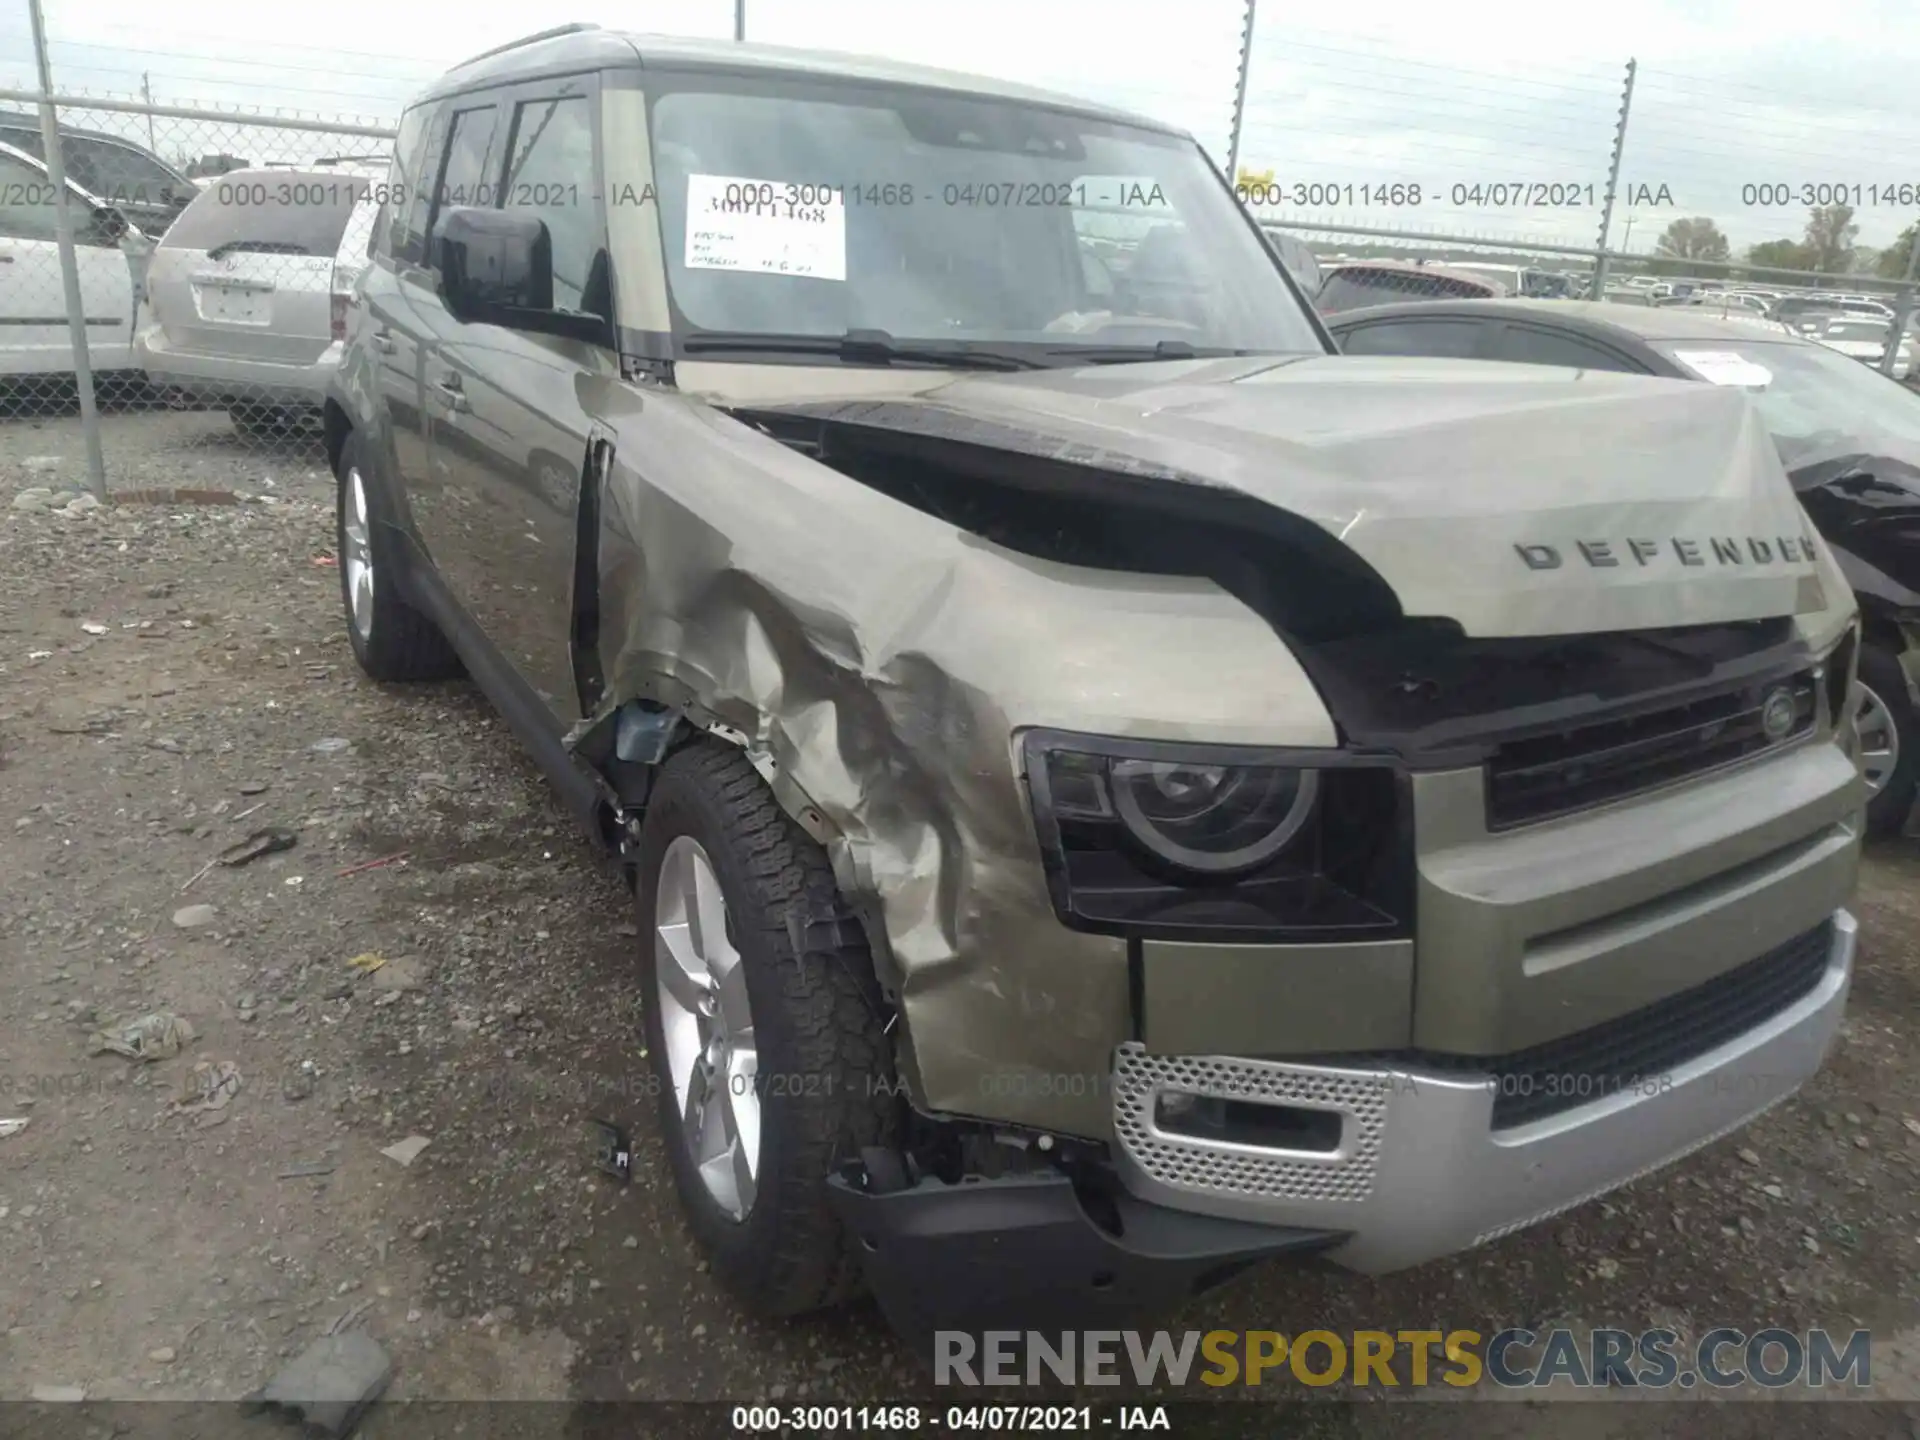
(1419, 1171)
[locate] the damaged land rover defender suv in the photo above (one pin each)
(1114, 790)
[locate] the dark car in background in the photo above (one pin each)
(1379, 282)
(131, 178)
(1848, 436)
(1300, 261)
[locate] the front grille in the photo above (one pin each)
(1575, 769)
(1634, 1051)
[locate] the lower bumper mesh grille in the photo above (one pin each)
(1632, 1052)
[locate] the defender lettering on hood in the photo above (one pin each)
(1723, 550)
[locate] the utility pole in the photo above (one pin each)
(1613, 184)
(1903, 306)
(1240, 95)
(739, 19)
(146, 94)
(64, 210)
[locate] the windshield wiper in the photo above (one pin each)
(1138, 354)
(860, 346)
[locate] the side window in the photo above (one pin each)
(1457, 339)
(551, 174)
(397, 196)
(26, 202)
(1548, 347)
(415, 208)
(120, 174)
(470, 176)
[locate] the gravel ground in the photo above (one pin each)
(154, 1250)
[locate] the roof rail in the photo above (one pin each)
(554, 33)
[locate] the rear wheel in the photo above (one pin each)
(1884, 719)
(390, 639)
(772, 1063)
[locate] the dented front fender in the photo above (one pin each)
(877, 664)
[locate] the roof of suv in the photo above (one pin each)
(590, 48)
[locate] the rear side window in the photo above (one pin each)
(1459, 339)
(121, 174)
(1352, 289)
(25, 138)
(270, 212)
(26, 202)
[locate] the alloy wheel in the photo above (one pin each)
(358, 555)
(707, 1022)
(1879, 740)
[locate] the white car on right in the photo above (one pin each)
(1865, 339)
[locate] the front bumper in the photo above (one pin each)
(1420, 1171)
(1022, 1252)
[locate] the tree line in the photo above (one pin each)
(1828, 246)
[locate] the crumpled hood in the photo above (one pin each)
(1516, 500)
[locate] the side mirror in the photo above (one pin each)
(492, 261)
(496, 268)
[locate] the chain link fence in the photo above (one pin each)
(213, 249)
(214, 252)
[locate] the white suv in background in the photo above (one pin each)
(246, 296)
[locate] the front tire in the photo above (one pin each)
(1884, 719)
(772, 1064)
(390, 639)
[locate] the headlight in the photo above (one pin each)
(1212, 819)
(1154, 839)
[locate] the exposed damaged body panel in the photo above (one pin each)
(877, 662)
(1112, 789)
(1869, 506)
(1510, 500)
(876, 597)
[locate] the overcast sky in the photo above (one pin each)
(1462, 93)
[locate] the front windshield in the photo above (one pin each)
(805, 207)
(1817, 402)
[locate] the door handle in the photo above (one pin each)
(382, 341)
(451, 392)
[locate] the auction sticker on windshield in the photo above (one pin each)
(740, 224)
(1724, 367)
